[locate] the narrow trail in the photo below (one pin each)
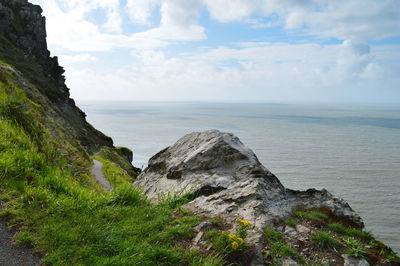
(97, 172)
(11, 255)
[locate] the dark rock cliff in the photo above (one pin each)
(23, 47)
(23, 24)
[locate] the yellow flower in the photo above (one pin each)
(231, 236)
(241, 240)
(235, 245)
(244, 223)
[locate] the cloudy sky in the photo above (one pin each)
(227, 50)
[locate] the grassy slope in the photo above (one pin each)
(48, 196)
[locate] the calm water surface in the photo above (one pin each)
(351, 150)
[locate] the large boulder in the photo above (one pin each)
(226, 179)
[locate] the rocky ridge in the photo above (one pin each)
(225, 179)
(23, 47)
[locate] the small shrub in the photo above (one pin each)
(324, 240)
(392, 257)
(355, 249)
(216, 221)
(273, 235)
(280, 250)
(176, 199)
(126, 195)
(211, 235)
(228, 244)
(243, 227)
(290, 222)
(337, 227)
(358, 232)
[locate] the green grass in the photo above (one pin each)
(337, 227)
(355, 248)
(358, 232)
(278, 248)
(311, 215)
(324, 241)
(65, 215)
(291, 222)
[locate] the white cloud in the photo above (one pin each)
(140, 10)
(178, 22)
(251, 71)
(342, 19)
(262, 72)
(79, 58)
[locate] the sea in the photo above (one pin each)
(352, 150)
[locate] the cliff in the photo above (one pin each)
(23, 47)
(206, 200)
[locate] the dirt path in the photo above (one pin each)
(14, 255)
(97, 172)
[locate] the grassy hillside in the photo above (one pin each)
(47, 194)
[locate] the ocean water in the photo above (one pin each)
(351, 150)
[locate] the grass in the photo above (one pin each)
(311, 215)
(336, 227)
(291, 222)
(324, 241)
(278, 248)
(273, 235)
(355, 249)
(61, 211)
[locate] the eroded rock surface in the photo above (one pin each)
(227, 180)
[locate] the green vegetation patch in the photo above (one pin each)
(324, 241)
(312, 215)
(64, 214)
(278, 248)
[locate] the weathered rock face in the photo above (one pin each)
(227, 180)
(23, 24)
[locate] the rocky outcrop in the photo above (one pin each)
(127, 153)
(225, 179)
(23, 24)
(23, 48)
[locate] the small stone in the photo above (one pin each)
(198, 237)
(204, 226)
(302, 229)
(288, 262)
(290, 231)
(352, 261)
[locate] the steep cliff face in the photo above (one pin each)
(23, 24)
(23, 47)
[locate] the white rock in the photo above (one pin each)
(302, 229)
(352, 261)
(288, 262)
(226, 180)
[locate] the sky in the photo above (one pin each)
(227, 50)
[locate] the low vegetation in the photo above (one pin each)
(324, 241)
(318, 237)
(68, 218)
